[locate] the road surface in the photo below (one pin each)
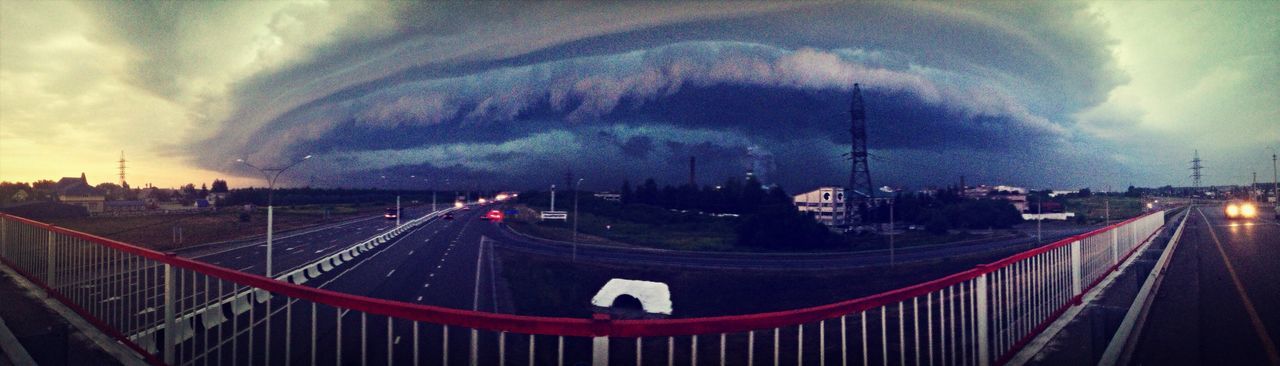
(1220, 301)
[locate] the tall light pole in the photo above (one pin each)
(575, 219)
(271, 174)
(892, 259)
(1275, 183)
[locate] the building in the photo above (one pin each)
(125, 206)
(77, 191)
(609, 196)
(826, 204)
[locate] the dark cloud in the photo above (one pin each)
(624, 102)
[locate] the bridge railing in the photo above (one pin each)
(173, 310)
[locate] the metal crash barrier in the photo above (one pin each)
(177, 311)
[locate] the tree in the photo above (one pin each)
(219, 186)
(204, 190)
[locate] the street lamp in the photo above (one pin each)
(271, 174)
(1275, 183)
(575, 220)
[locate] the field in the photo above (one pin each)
(168, 232)
(686, 232)
(1094, 208)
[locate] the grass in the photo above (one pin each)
(160, 231)
(1094, 208)
(710, 234)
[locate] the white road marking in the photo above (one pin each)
(419, 298)
(389, 273)
(431, 275)
(109, 299)
(410, 252)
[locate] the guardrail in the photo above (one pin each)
(980, 316)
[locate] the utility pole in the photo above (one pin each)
(892, 258)
(859, 171)
(1275, 183)
(575, 220)
(553, 197)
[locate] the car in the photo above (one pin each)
(494, 215)
(1241, 210)
(448, 216)
(391, 214)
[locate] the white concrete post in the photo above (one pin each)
(170, 321)
(1077, 264)
(600, 351)
(48, 270)
(983, 322)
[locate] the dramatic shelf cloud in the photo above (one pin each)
(505, 95)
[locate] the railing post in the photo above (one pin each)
(1115, 242)
(1077, 267)
(983, 311)
(170, 320)
(600, 344)
(48, 265)
(4, 237)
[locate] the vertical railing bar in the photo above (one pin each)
(390, 342)
(502, 348)
(639, 352)
(928, 323)
(444, 344)
(915, 321)
(884, 335)
(313, 335)
(865, 351)
(475, 345)
(777, 339)
(693, 350)
(844, 341)
(338, 350)
(902, 336)
(822, 342)
(560, 350)
(288, 332)
(671, 351)
(532, 340)
(722, 339)
(800, 344)
(964, 333)
(415, 343)
(751, 349)
(364, 339)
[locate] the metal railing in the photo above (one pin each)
(200, 314)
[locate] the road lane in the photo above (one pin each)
(1221, 303)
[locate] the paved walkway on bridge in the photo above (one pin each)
(48, 338)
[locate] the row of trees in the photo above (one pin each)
(768, 220)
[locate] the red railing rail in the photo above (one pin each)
(976, 281)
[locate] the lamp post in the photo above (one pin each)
(575, 220)
(271, 174)
(1275, 183)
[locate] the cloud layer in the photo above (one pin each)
(512, 95)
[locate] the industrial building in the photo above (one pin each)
(826, 204)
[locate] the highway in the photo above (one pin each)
(1220, 301)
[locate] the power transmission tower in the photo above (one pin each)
(860, 188)
(122, 161)
(1195, 171)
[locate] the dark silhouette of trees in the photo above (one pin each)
(219, 186)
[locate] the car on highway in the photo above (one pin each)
(1241, 210)
(391, 214)
(448, 216)
(494, 215)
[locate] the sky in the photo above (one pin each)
(511, 96)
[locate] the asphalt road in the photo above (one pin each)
(1220, 302)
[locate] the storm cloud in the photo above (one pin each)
(511, 95)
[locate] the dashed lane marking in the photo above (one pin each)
(389, 273)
